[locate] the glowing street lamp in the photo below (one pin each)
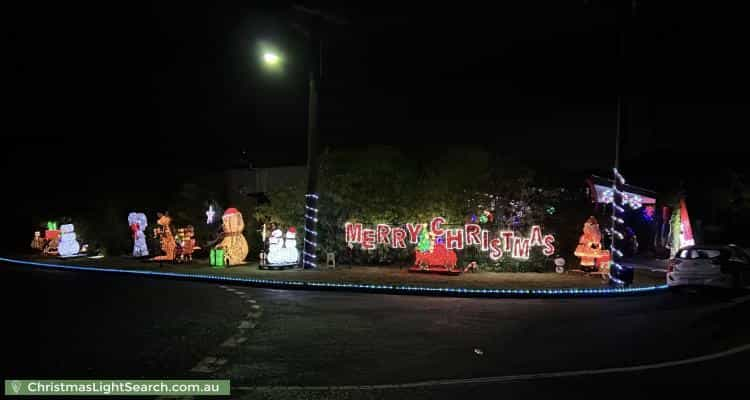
(273, 61)
(271, 58)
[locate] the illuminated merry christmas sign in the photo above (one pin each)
(506, 243)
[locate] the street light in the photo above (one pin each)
(270, 58)
(313, 33)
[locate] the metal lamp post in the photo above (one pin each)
(319, 18)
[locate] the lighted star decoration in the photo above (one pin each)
(210, 214)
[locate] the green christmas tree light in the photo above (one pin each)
(424, 243)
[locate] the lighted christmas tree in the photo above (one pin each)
(424, 244)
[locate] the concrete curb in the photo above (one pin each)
(367, 288)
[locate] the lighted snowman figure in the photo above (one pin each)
(289, 253)
(275, 247)
(138, 223)
(68, 246)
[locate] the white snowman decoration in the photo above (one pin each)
(68, 246)
(289, 254)
(275, 245)
(138, 223)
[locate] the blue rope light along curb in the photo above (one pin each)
(370, 288)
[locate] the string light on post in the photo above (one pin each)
(618, 274)
(311, 235)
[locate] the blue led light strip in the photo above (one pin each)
(393, 289)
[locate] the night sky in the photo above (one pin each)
(125, 86)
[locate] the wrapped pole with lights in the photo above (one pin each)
(618, 273)
(311, 235)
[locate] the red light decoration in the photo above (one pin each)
(436, 245)
(589, 248)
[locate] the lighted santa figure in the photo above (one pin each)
(589, 248)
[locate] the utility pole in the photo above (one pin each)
(619, 274)
(314, 36)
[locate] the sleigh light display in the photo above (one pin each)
(435, 246)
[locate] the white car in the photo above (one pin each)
(717, 266)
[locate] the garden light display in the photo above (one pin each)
(51, 226)
(275, 243)
(437, 258)
(49, 234)
(432, 239)
(37, 243)
(425, 243)
(210, 215)
(53, 241)
(686, 231)
(68, 246)
(216, 257)
(166, 238)
(185, 240)
(138, 223)
(680, 230)
(283, 250)
(234, 243)
(589, 248)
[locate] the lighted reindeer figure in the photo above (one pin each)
(166, 239)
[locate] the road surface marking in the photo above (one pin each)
(511, 378)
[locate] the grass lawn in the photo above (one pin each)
(373, 275)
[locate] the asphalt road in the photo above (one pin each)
(67, 324)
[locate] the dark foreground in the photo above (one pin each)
(86, 325)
